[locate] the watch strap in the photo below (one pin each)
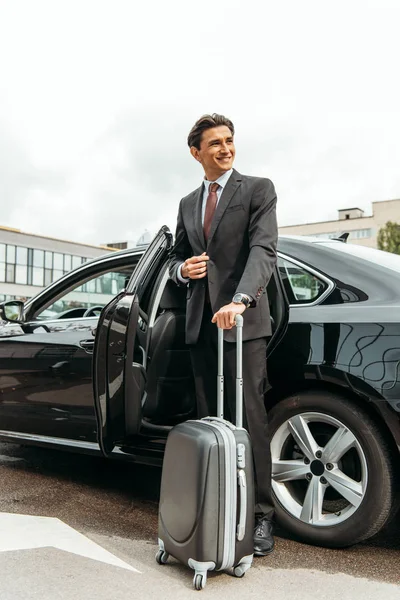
(244, 298)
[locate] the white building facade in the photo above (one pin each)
(30, 262)
(363, 230)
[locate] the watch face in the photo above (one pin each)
(240, 298)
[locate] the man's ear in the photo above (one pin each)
(195, 153)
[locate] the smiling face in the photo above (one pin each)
(217, 151)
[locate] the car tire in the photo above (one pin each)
(369, 462)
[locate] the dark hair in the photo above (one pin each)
(207, 122)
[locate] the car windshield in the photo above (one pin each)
(378, 257)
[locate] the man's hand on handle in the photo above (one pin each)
(195, 267)
(225, 317)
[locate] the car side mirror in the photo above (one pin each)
(12, 311)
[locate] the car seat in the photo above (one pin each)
(170, 384)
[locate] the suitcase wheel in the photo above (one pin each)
(199, 581)
(162, 557)
(239, 572)
(241, 568)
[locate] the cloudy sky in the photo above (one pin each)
(97, 98)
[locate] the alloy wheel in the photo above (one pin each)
(319, 469)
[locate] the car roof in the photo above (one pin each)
(309, 238)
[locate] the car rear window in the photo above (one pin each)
(302, 286)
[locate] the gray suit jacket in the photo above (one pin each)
(242, 250)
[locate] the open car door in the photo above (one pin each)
(119, 361)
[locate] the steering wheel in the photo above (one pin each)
(90, 311)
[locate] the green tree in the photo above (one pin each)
(389, 238)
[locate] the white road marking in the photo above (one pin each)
(23, 532)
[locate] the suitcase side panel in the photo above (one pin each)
(191, 515)
(245, 547)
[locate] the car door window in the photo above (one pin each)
(87, 299)
(301, 286)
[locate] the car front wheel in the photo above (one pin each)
(332, 476)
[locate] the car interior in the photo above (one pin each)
(169, 374)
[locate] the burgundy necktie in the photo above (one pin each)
(210, 208)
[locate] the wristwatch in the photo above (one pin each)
(237, 298)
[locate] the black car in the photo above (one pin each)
(71, 379)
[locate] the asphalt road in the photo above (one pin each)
(115, 506)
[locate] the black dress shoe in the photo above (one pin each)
(263, 539)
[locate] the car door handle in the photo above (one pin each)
(87, 345)
(142, 324)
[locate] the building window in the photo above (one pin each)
(38, 258)
(21, 274)
(48, 260)
(330, 235)
(355, 234)
(58, 261)
(76, 261)
(10, 272)
(47, 276)
(57, 274)
(33, 266)
(359, 234)
(37, 276)
(22, 256)
(7, 297)
(11, 254)
(67, 262)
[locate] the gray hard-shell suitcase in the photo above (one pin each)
(206, 511)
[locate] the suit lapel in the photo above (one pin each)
(197, 206)
(229, 191)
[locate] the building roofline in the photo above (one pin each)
(324, 222)
(10, 229)
(46, 237)
(390, 200)
(340, 220)
(354, 208)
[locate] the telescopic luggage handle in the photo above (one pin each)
(239, 372)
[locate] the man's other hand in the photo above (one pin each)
(225, 317)
(195, 267)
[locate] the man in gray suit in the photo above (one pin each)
(225, 253)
